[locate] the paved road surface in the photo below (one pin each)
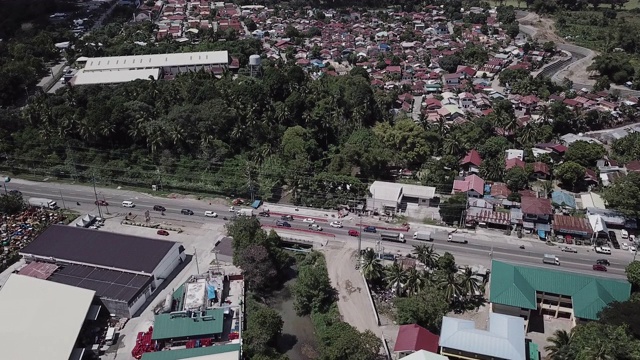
(69, 195)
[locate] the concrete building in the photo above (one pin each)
(124, 271)
(43, 320)
(388, 197)
(522, 291)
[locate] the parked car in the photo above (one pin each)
(101, 203)
(370, 229)
(264, 214)
(615, 243)
(632, 248)
(625, 246)
(569, 249)
(282, 223)
(186, 212)
(336, 224)
(159, 208)
(603, 262)
(598, 267)
(210, 213)
(315, 227)
(624, 233)
(308, 220)
(286, 218)
(354, 233)
(612, 235)
(163, 232)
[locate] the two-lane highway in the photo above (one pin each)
(69, 195)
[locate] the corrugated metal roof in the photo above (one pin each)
(167, 326)
(157, 60)
(515, 285)
(192, 353)
(505, 338)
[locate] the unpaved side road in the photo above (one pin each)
(353, 302)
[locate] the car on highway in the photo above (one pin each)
(286, 218)
(210, 213)
(128, 204)
(159, 208)
(264, 213)
(336, 224)
(354, 233)
(370, 229)
(315, 227)
(569, 249)
(308, 220)
(603, 262)
(598, 267)
(282, 223)
(186, 212)
(101, 203)
(603, 250)
(232, 209)
(163, 232)
(15, 192)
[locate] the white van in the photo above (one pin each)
(128, 204)
(624, 233)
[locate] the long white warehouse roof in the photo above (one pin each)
(83, 77)
(158, 60)
(40, 319)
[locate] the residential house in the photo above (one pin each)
(471, 162)
(509, 163)
(503, 339)
(541, 170)
(536, 214)
(514, 154)
(473, 185)
(412, 338)
(500, 191)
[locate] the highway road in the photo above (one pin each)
(68, 195)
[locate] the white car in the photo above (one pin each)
(232, 209)
(315, 227)
(309, 220)
(569, 249)
(632, 248)
(210, 213)
(625, 246)
(336, 224)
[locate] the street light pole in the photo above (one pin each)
(96, 194)
(195, 255)
(64, 206)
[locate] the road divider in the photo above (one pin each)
(273, 213)
(404, 229)
(299, 230)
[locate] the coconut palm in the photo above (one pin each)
(371, 267)
(414, 282)
(560, 342)
(426, 255)
(395, 277)
(449, 284)
(468, 282)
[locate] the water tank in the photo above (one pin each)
(254, 60)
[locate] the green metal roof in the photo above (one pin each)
(515, 285)
(189, 353)
(168, 327)
(534, 353)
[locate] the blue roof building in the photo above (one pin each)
(562, 198)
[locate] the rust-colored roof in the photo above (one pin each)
(488, 216)
(500, 190)
(414, 337)
(571, 223)
(536, 206)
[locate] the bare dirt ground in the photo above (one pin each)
(353, 300)
(544, 30)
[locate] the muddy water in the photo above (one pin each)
(298, 341)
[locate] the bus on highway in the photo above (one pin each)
(390, 236)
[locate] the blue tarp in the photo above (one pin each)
(211, 292)
(542, 234)
(256, 204)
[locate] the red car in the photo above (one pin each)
(598, 267)
(353, 232)
(163, 232)
(101, 203)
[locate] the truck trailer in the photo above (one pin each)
(457, 238)
(422, 235)
(551, 259)
(389, 236)
(245, 212)
(43, 203)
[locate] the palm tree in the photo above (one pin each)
(452, 145)
(414, 282)
(468, 283)
(396, 277)
(449, 284)
(371, 266)
(426, 255)
(560, 342)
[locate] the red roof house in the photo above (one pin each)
(471, 162)
(413, 338)
(473, 185)
(514, 162)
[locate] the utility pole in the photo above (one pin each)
(61, 197)
(359, 239)
(93, 176)
(195, 255)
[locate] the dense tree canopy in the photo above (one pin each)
(624, 193)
